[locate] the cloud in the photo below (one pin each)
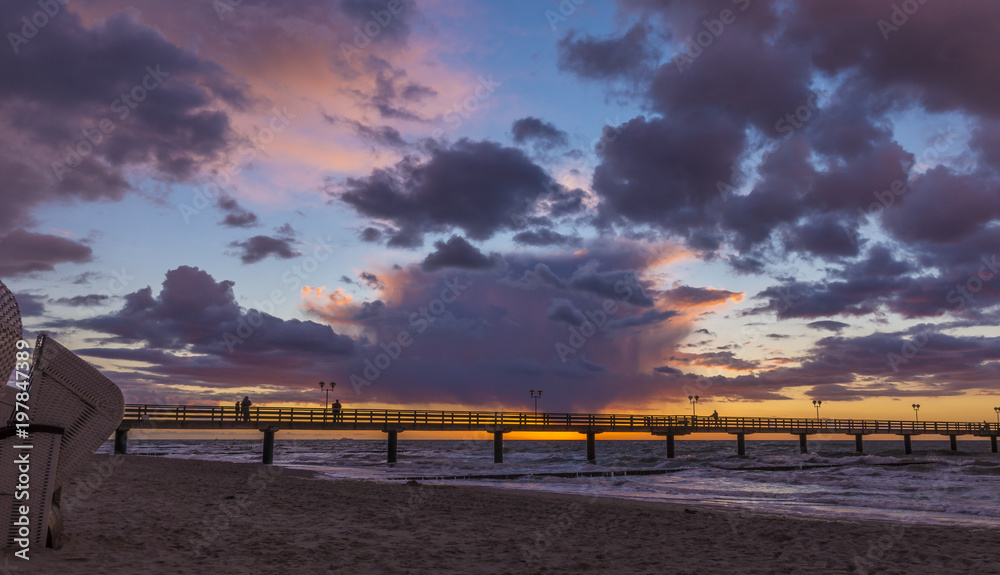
(543, 134)
(725, 359)
(829, 325)
(649, 317)
(456, 253)
(562, 310)
(236, 216)
(30, 305)
(259, 247)
(371, 235)
(83, 300)
(194, 331)
(613, 57)
(23, 252)
(436, 195)
(57, 93)
(688, 296)
(543, 237)
(371, 280)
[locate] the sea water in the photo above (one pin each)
(934, 485)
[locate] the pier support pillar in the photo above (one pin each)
(803, 448)
(391, 450)
(741, 444)
(953, 439)
(906, 444)
(670, 446)
(859, 444)
(268, 446)
(497, 447)
(993, 443)
(121, 441)
(591, 447)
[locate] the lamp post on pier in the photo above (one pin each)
(816, 404)
(916, 408)
(328, 390)
(997, 409)
(693, 400)
(532, 392)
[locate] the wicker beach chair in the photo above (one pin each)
(72, 410)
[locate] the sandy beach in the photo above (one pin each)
(138, 514)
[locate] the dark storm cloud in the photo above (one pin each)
(544, 237)
(916, 60)
(826, 153)
(925, 213)
(822, 236)
(614, 285)
(880, 280)
(475, 186)
(627, 55)
(23, 252)
(829, 325)
(665, 173)
(545, 134)
(650, 317)
(259, 247)
(456, 253)
(194, 331)
(162, 108)
(562, 310)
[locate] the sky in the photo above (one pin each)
(444, 205)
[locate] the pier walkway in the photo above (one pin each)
(269, 420)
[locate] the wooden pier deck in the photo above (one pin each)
(269, 420)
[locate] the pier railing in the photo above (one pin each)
(282, 416)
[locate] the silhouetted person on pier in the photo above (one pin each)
(336, 410)
(715, 416)
(237, 410)
(246, 407)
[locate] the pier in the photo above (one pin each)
(269, 420)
